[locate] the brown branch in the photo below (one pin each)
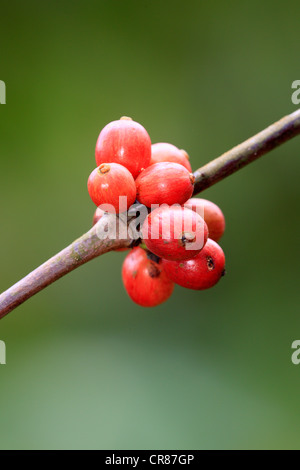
(86, 248)
(245, 153)
(89, 246)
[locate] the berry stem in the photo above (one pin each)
(89, 246)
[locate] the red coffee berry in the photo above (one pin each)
(212, 215)
(108, 182)
(202, 271)
(164, 152)
(145, 280)
(164, 183)
(174, 233)
(125, 142)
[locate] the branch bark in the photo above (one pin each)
(89, 246)
(82, 250)
(245, 153)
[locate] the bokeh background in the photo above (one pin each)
(86, 368)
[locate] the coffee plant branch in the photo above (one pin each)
(90, 246)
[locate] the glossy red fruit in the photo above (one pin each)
(110, 181)
(125, 142)
(201, 272)
(164, 152)
(164, 183)
(174, 233)
(145, 280)
(212, 215)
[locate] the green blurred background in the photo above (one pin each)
(86, 368)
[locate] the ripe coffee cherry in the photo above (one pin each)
(145, 280)
(163, 152)
(212, 215)
(164, 183)
(125, 142)
(174, 233)
(110, 181)
(202, 271)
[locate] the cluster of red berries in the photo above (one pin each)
(179, 233)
